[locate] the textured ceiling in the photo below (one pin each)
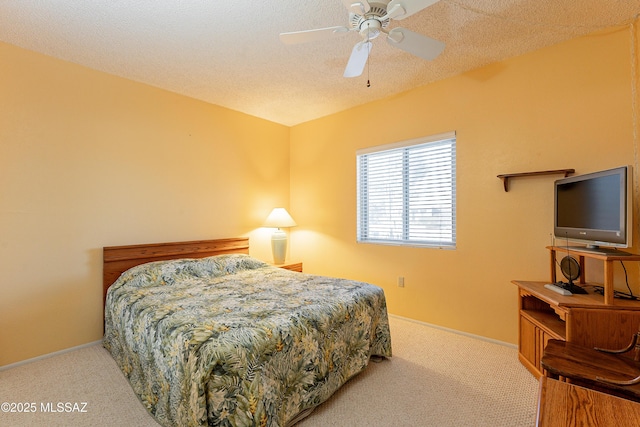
(228, 52)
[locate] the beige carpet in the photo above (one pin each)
(436, 378)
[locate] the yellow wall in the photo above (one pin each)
(90, 160)
(566, 106)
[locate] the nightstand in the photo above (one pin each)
(293, 266)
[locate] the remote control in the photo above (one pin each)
(557, 289)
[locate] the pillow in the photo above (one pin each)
(162, 273)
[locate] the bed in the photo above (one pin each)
(207, 335)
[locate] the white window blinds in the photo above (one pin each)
(407, 192)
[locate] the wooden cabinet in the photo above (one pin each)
(293, 266)
(590, 319)
(583, 319)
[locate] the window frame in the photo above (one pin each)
(363, 192)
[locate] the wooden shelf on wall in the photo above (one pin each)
(505, 177)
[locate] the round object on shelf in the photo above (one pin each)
(570, 268)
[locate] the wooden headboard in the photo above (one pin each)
(117, 259)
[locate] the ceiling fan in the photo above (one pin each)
(370, 19)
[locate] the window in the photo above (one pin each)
(407, 192)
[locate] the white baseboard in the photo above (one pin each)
(455, 331)
(48, 355)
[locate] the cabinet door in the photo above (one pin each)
(528, 338)
(533, 340)
(541, 342)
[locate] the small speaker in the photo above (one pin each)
(570, 268)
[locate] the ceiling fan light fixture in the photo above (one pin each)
(370, 29)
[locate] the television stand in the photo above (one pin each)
(582, 253)
(582, 319)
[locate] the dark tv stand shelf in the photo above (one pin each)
(505, 177)
(582, 253)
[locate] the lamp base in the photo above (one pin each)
(279, 246)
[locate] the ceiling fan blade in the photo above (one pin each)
(409, 6)
(296, 37)
(359, 7)
(414, 43)
(358, 59)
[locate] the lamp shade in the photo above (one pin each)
(279, 218)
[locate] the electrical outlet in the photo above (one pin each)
(401, 281)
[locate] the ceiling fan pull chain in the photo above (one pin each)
(368, 59)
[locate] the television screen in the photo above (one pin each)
(594, 208)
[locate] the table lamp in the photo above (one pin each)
(279, 218)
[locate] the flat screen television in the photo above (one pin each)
(595, 209)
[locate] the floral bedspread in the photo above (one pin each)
(232, 341)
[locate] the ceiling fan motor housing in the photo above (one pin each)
(370, 25)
